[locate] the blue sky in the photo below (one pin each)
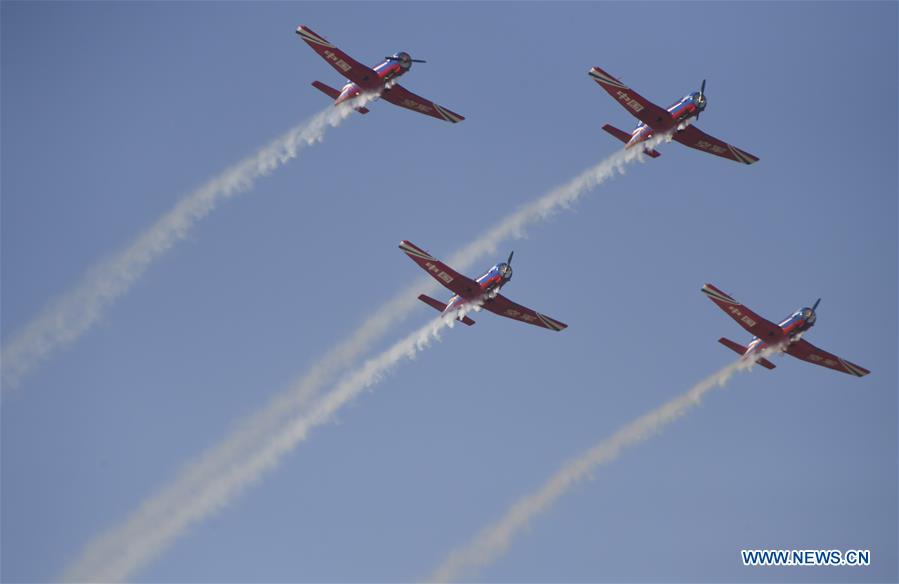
(113, 111)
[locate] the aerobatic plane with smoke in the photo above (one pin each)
(654, 119)
(483, 292)
(379, 80)
(788, 334)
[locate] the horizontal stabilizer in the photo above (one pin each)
(735, 347)
(625, 137)
(766, 363)
(432, 302)
(620, 134)
(326, 89)
(440, 307)
(334, 94)
(741, 350)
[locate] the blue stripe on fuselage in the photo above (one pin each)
(389, 69)
(682, 108)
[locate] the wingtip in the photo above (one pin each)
(414, 251)
(854, 369)
(448, 115)
(750, 159)
(551, 323)
(716, 294)
(605, 78)
(310, 36)
(742, 156)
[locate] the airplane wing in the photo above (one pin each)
(456, 282)
(399, 95)
(695, 138)
(504, 307)
(755, 324)
(808, 352)
(640, 107)
(344, 64)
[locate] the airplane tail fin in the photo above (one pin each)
(625, 137)
(440, 306)
(741, 350)
(334, 94)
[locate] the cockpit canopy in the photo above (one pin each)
(403, 58)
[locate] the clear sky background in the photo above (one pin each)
(113, 111)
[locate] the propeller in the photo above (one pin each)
(814, 306)
(701, 98)
(395, 58)
(509, 261)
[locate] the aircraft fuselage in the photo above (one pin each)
(390, 69)
(791, 329)
(490, 283)
(688, 107)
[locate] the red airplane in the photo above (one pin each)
(484, 290)
(380, 80)
(788, 334)
(654, 119)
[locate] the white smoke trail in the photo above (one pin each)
(191, 490)
(72, 314)
(562, 197)
(496, 538)
(115, 556)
